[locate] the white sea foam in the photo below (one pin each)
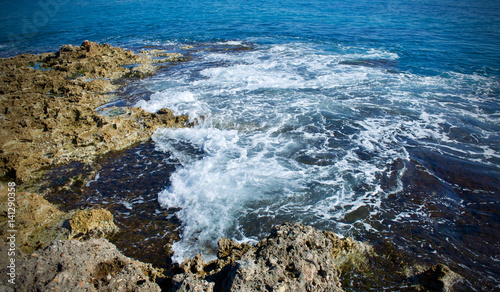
(291, 132)
(181, 103)
(93, 180)
(231, 43)
(212, 192)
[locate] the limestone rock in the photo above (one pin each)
(293, 258)
(190, 283)
(93, 265)
(48, 107)
(230, 251)
(92, 223)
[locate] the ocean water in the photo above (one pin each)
(373, 119)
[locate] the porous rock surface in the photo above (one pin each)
(93, 265)
(293, 258)
(301, 258)
(92, 224)
(45, 258)
(37, 222)
(48, 107)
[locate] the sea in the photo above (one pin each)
(376, 119)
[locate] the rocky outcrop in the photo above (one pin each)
(48, 116)
(93, 265)
(45, 258)
(48, 106)
(301, 258)
(92, 224)
(293, 258)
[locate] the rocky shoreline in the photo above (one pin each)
(49, 101)
(49, 117)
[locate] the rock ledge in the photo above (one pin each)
(48, 107)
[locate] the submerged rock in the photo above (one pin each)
(437, 278)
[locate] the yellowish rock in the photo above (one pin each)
(49, 116)
(92, 223)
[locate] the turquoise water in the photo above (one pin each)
(377, 119)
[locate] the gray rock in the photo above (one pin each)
(93, 265)
(294, 258)
(67, 48)
(190, 283)
(301, 258)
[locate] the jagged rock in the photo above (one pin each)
(93, 265)
(67, 48)
(229, 251)
(191, 283)
(48, 102)
(293, 258)
(92, 223)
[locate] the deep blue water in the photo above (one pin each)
(432, 36)
(377, 119)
